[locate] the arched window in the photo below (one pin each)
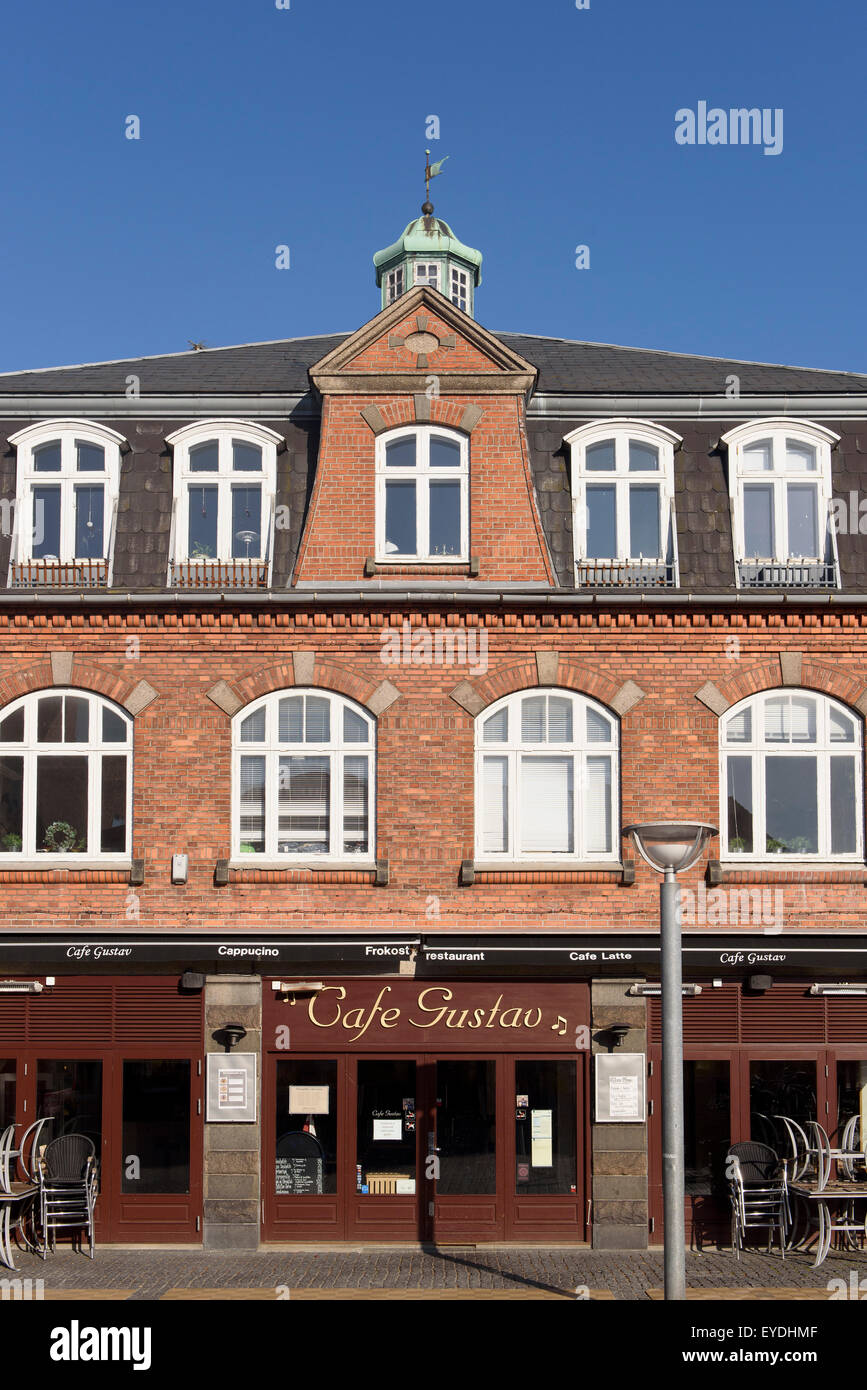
(422, 495)
(623, 501)
(65, 778)
(224, 512)
(546, 778)
(780, 486)
(66, 503)
(303, 778)
(791, 777)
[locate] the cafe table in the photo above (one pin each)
(840, 1200)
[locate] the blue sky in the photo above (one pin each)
(306, 127)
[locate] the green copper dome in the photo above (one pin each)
(429, 253)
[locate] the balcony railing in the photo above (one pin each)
(57, 574)
(789, 574)
(218, 574)
(625, 574)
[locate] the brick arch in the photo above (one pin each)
(43, 675)
(812, 675)
(524, 675)
(315, 673)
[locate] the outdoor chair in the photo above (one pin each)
(16, 1199)
(68, 1188)
(759, 1193)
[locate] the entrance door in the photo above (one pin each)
(468, 1178)
(384, 1201)
(545, 1169)
(711, 1103)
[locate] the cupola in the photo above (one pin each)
(429, 253)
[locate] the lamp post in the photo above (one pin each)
(669, 847)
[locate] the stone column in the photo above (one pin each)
(619, 1151)
(232, 1151)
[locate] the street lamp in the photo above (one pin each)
(669, 847)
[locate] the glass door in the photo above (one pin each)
(385, 1202)
(546, 1188)
(711, 1090)
(304, 1147)
(156, 1186)
(465, 1167)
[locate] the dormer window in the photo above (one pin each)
(780, 486)
(623, 499)
(66, 504)
(223, 517)
(394, 285)
(422, 495)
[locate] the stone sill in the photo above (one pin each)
(481, 873)
(369, 873)
(795, 871)
(55, 873)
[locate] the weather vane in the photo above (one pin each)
(430, 172)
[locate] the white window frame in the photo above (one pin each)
(422, 474)
(464, 276)
(337, 749)
(94, 750)
(622, 431)
(428, 265)
(514, 750)
(777, 431)
(757, 748)
(392, 279)
(67, 433)
(222, 432)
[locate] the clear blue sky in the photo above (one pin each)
(306, 127)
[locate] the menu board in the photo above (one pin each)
(620, 1087)
(299, 1176)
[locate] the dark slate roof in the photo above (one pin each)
(564, 367)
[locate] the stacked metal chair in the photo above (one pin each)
(68, 1189)
(759, 1193)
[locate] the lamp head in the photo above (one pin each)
(670, 844)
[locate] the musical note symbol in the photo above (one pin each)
(560, 1026)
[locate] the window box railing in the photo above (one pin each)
(789, 574)
(58, 574)
(625, 574)
(219, 574)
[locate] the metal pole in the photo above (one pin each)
(672, 1090)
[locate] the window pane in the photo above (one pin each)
(466, 1127)
(355, 729)
(444, 453)
(777, 721)
(12, 727)
(317, 722)
(601, 524)
(599, 458)
(598, 727)
(757, 457)
(290, 723)
(385, 1129)
(643, 458)
(89, 458)
(113, 815)
(253, 727)
(61, 804)
(246, 458)
(156, 1125)
(400, 536)
(800, 456)
(77, 721)
(70, 1092)
(246, 523)
(306, 1148)
(11, 804)
(843, 828)
(203, 523)
(304, 805)
(494, 730)
(758, 522)
(205, 458)
(46, 523)
(792, 816)
(400, 453)
(545, 1129)
(644, 521)
(740, 727)
(46, 459)
(803, 719)
(842, 727)
(445, 518)
(739, 790)
(533, 719)
(495, 805)
(89, 533)
(597, 808)
(803, 509)
(7, 1092)
(355, 817)
(546, 805)
(49, 719)
(559, 719)
(114, 729)
(252, 812)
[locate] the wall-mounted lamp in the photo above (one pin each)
(618, 1032)
(759, 984)
(233, 1033)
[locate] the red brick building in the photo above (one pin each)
(329, 671)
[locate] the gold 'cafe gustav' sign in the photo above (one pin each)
(473, 1016)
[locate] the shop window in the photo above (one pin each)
(65, 778)
(303, 769)
(791, 778)
(305, 1158)
(546, 779)
(422, 495)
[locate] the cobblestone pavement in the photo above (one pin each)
(148, 1274)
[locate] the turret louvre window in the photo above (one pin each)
(304, 778)
(427, 273)
(791, 777)
(422, 495)
(394, 285)
(460, 290)
(65, 777)
(546, 779)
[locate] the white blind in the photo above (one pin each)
(547, 805)
(355, 775)
(597, 806)
(495, 805)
